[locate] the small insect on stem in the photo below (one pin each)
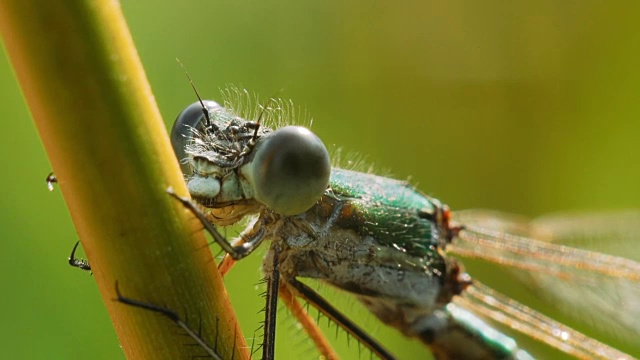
(81, 264)
(51, 179)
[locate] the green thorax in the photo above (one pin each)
(390, 211)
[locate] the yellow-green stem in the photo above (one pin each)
(101, 128)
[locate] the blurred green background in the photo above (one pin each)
(529, 108)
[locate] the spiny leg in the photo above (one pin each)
(310, 326)
(247, 235)
(271, 309)
(236, 252)
(331, 312)
(226, 264)
(174, 317)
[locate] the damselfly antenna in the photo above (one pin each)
(254, 139)
(205, 111)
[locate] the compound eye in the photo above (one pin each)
(191, 117)
(290, 170)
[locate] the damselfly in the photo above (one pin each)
(388, 245)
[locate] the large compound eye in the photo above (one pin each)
(290, 170)
(191, 117)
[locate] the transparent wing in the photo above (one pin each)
(490, 304)
(614, 233)
(568, 261)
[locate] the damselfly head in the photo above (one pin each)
(228, 161)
